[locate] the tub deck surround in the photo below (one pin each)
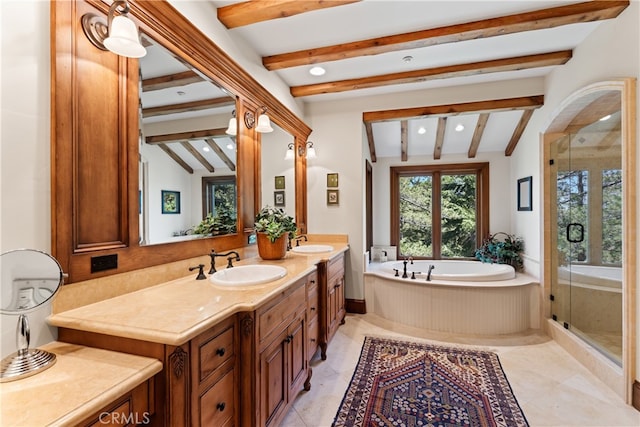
(83, 381)
(481, 307)
(173, 313)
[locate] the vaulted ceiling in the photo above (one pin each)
(375, 47)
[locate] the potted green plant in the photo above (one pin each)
(273, 228)
(502, 248)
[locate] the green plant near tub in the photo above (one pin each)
(502, 248)
(275, 223)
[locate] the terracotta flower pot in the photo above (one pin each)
(275, 250)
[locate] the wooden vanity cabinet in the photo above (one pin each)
(332, 300)
(274, 358)
(135, 407)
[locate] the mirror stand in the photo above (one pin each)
(25, 362)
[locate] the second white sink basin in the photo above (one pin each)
(312, 249)
(248, 275)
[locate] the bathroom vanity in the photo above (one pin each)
(231, 356)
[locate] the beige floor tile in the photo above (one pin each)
(552, 388)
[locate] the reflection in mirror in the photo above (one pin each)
(278, 170)
(187, 159)
(30, 278)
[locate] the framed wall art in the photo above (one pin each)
(525, 196)
(332, 180)
(333, 197)
(279, 183)
(278, 198)
(170, 202)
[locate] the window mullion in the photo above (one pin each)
(436, 215)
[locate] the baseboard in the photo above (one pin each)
(357, 306)
(635, 395)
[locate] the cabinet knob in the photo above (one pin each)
(313, 309)
(313, 340)
(313, 282)
(220, 406)
(220, 352)
(288, 339)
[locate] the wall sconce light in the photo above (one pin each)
(308, 147)
(119, 35)
(289, 155)
(232, 129)
(264, 123)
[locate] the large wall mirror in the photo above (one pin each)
(187, 151)
(132, 177)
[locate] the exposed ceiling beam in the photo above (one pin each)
(610, 139)
(227, 161)
(181, 136)
(437, 149)
(449, 71)
(176, 158)
(404, 139)
(191, 149)
(477, 134)
(371, 141)
(187, 107)
(517, 133)
(494, 105)
(539, 19)
(171, 80)
(251, 12)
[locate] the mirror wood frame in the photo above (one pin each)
(94, 141)
(573, 106)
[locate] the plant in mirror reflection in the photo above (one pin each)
(274, 222)
(224, 222)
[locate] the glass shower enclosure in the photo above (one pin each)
(586, 225)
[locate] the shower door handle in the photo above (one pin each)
(570, 227)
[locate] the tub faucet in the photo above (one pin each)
(404, 273)
(213, 256)
(431, 267)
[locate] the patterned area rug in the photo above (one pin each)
(399, 383)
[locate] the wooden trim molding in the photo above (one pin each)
(635, 401)
(358, 306)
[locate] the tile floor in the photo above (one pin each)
(551, 387)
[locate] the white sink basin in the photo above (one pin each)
(248, 275)
(312, 249)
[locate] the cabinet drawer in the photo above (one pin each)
(119, 416)
(312, 308)
(277, 317)
(336, 268)
(217, 404)
(313, 337)
(214, 352)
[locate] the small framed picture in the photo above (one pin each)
(279, 184)
(525, 198)
(278, 198)
(170, 202)
(333, 197)
(332, 180)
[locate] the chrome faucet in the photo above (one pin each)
(431, 267)
(213, 256)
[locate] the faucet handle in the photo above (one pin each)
(201, 275)
(230, 262)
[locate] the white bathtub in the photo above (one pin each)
(464, 271)
(592, 275)
(462, 297)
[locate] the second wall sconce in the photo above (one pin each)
(264, 123)
(307, 147)
(232, 129)
(119, 35)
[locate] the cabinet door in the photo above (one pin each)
(273, 379)
(297, 356)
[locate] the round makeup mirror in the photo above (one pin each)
(28, 279)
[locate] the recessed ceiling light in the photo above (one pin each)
(459, 127)
(181, 93)
(230, 146)
(605, 118)
(317, 71)
(206, 149)
(408, 58)
(422, 130)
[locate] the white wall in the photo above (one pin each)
(274, 147)
(611, 51)
(25, 214)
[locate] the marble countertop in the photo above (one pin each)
(81, 382)
(175, 312)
